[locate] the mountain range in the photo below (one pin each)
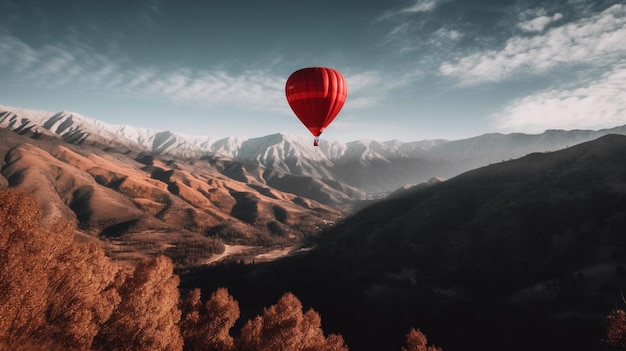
(373, 168)
(142, 204)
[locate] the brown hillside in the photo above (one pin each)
(145, 204)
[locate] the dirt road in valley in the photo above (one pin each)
(257, 254)
(229, 250)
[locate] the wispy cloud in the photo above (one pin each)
(421, 6)
(444, 36)
(361, 87)
(370, 88)
(255, 90)
(418, 6)
(600, 103)
(60, 66)
(597, 40)
(414, 28)
(538, 24)
(259, 90)
(83, 68)
(16, 55)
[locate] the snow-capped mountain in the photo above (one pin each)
(79, 129)
(366, 164)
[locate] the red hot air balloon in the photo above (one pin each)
(316, 95)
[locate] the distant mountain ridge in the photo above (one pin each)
(372, 166)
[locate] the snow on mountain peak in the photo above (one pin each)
(358, 162)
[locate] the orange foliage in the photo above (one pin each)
(416, 341)
(616, 330)
(283, 327)
(147, 317)
(207, 327)
(55, 292)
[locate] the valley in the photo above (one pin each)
(255, 254)
(481, 241)
(495, 258)
(141, 206)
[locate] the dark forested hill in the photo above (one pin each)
(524, 254)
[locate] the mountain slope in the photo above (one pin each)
(531, 199)
(495, 258)
(143, 204)
(541, 237)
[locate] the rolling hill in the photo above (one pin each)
(144, 204)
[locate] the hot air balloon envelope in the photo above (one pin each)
(316, 95)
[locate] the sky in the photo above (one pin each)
(415, 69)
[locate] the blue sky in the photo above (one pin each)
(416, 69)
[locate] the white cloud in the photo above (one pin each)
(364, 81)
(369, 88)
(538, 24)
(599, 104)
(597, 40)
(416, 7)
(365, 89)
(444, 36)
(421, 6)
(141, 76)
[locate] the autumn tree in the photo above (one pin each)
(55, 291)
(416, 341)
(616, 330)
(22, 259)
(80, 292)
(207, 326)
(192, 317)
(283, 327)
(147, 317)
